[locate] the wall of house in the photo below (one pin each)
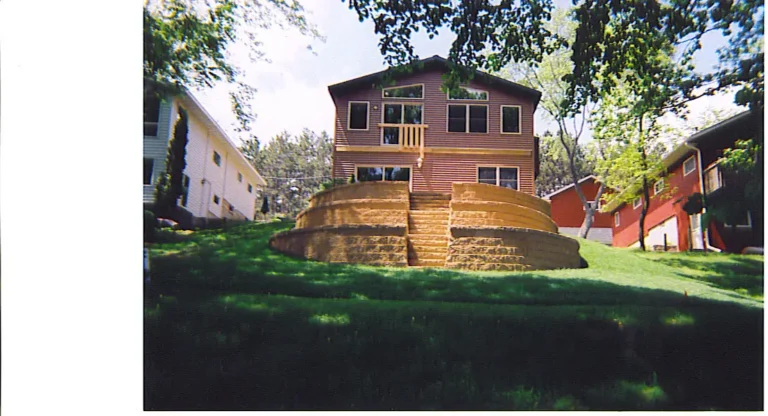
(567, 210)
(156, 147)
(668, 204)
(438, 170)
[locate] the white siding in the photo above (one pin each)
(156, 148)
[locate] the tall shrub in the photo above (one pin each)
(170, 187)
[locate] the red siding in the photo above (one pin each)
(567, 210)
(662, 207)
(438, 170)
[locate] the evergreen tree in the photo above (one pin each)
(170, 186)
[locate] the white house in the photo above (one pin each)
(220, 181)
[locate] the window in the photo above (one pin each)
(713, 179)
(383, 173)
(231, 207)
(357, 115)
(467, 118)
(594, 204)
(149, 165)
(510, 119)
(185, 195)
(216, 158)
(658, 187)
(250, 188)
(407, 91)
(216, 199)
(239, 177)
(399, 114)
(151, 114)
(616, 219)
(504, 177)
(466, 93)
(689, 166)
(744, 221)
(637, 202)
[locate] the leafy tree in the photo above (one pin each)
(295, 168)
(549, 78)
(554, 170)
(170, 186)
(611, 36)
(188, 43)
(265, 207)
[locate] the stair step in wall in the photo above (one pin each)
(428, 225)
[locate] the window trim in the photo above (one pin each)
(215, 153)
(466, 87)
(423, 92)
(519, 119)
(498, 174)
(616, 219)
(747, 225)
(663, 186)
(640, 199)
(402, 118)
(383, 168)
(367, 114)
(466, 113)
(694, 166)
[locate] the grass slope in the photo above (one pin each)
(231, 325)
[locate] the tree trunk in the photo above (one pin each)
(644, 210)
(589, 212)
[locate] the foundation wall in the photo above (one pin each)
(390, 191)
(481, 192)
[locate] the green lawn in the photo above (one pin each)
(231, 325)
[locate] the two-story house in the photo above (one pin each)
(219, 180)
(411, 130)
(692, 167)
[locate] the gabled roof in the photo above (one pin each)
(567, 187)
(208, 120)
(726, 126)
(437, 62)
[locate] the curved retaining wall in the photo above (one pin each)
(489, 228)
(364, 244)
(509, 248)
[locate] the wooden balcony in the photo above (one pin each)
(410, 136)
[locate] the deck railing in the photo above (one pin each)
(410, 136)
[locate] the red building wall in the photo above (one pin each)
(567, 210)
(667, 204)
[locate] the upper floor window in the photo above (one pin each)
(399, 114)
(510, 119)
(637, 202)
(689, 166)
(216, 158)
(406, 91)
(149, 164)
(467, 93)
(616, 219)
(250, 188)
(505, 177)
(594, 205)
(658, 186)
(151, 114)
(216, 199)
(467, 118)
(357, 115)
(713, 179)
(239, 177)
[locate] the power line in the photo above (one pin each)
(306, 177)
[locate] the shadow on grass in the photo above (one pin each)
(742, 274)
(231, 325)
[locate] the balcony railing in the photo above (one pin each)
(410, 136)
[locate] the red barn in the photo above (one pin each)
(667, 225)
(568, 212)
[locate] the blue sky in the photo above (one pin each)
(292, 88)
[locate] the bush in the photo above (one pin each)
(330, 184)
(150, 226)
